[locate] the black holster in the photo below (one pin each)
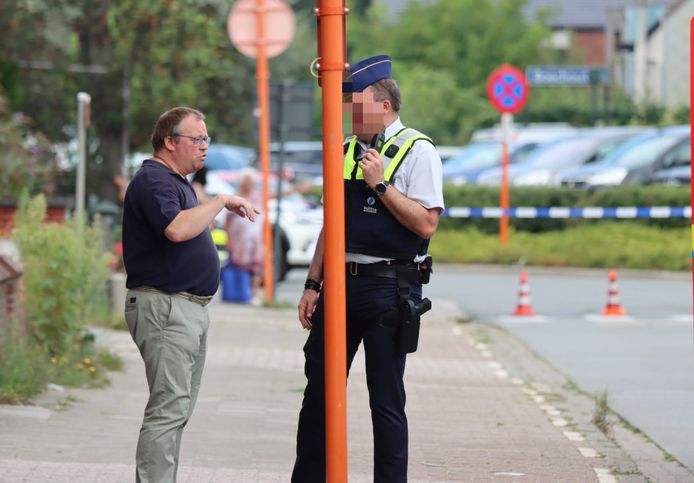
(409, 316)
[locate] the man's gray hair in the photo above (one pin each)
(387, 89)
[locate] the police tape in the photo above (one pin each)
(594, 212)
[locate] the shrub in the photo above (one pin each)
(27, 163)
(65, 270)
(24, 368)
(481, 196)
(604, 244)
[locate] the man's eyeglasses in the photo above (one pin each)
(197, 140)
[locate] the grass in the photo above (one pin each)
(24, 369)
(102, 315)
(615, 244)
(86, 369)
(601, 412)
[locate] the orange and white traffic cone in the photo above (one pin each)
(524, 307)
(613, 307)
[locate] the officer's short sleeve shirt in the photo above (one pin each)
(419, 177)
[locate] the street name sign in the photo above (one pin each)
(548, 75)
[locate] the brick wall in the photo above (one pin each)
(54, 213)
(591, 46)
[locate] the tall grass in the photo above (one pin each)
(24, 368)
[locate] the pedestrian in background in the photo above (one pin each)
(393, 200)
(245, 239)
(199, 182)
(173, 271)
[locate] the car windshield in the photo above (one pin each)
(645, 152)
(300, 157)
(566, 152)
(227, 157)
(476, 157)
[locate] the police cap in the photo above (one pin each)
(367, 72)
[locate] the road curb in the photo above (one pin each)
(627, 452)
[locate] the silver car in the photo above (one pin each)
(542, 166)
(635, 161)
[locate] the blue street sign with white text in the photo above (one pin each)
(548, 75)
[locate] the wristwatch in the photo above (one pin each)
(380, 188)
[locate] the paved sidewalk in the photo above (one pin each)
(471, 418)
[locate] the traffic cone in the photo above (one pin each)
(613, 307)
(524, 307)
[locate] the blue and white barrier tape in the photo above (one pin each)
(566, 212)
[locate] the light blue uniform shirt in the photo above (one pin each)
(420, 178)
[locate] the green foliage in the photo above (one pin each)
(65, 268)
(24, 368)
(164, 52)
(634, 195)
(26, 161)
(679, 116)
(85, 368)
(601, 413)
(444, 52)
(605, 244)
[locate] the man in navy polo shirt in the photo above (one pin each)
(173, 272)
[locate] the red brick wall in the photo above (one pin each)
(591, 46)
(53, 214)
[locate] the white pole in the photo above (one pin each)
(83, 101)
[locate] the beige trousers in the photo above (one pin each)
(171, 334)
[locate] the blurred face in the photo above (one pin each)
(189, 148)
(246, 185)
(368, 115)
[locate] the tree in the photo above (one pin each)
(136, 59)
(444, 51)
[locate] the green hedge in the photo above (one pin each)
(605, 244)
(481, 196)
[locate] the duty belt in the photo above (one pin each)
(198, 299)
(385, 269)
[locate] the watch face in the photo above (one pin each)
(381, 188)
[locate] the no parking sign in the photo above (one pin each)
(507, 89)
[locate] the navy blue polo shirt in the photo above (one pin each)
(153, 199)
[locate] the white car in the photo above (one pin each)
(299, 224)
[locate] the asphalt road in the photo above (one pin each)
(644, 362)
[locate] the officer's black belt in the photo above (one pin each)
(385, 269)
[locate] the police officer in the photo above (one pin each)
(393, 200)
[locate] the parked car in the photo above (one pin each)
(302, 162)
(636, 161)
(678, 176)
(300, 222)
(449, 152)
(540, 132)
(228, 157)
(479, 157)
(544, 164)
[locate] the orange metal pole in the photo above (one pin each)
(331, 37)
(503, 221)
(263, 78)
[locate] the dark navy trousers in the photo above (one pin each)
(367, 299)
